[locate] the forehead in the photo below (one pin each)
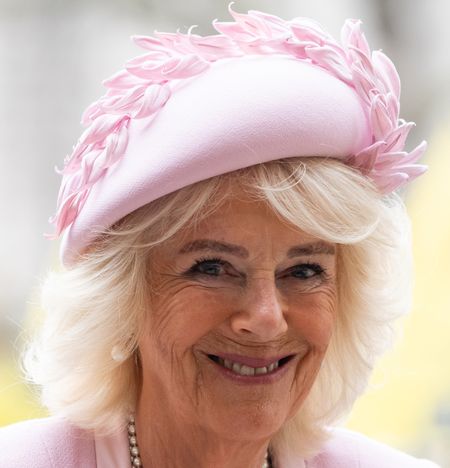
(244, 222)
(240, 216)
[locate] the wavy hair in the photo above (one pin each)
(99, 304)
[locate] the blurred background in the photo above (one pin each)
(53, 56)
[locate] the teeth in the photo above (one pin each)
(246, 370)
(242, 369)
(273, 366)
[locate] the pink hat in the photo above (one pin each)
(193, 107)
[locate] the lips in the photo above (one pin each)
(249, 366)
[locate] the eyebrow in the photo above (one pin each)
(238, 251)
(311, 249)
(208, 244)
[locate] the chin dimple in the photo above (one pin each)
(243, 369)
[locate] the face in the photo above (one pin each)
(241, 312)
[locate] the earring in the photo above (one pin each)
(118, 354)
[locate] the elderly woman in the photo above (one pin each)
(235, 255)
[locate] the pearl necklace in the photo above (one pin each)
(134, 449)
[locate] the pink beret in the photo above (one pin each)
(193, 107)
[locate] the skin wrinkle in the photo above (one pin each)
(175, 367)
(256, 307)
(332, 300)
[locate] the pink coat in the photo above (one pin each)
(54, 443)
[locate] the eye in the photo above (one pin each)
(208, 266)
(306, 271)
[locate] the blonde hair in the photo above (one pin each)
(101, 302)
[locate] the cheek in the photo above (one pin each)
(314, 317)
(183, 314)
(177, 321)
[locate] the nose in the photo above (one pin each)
(261, 314)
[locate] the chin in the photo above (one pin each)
(252, 419)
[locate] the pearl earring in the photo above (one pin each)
(118, 354)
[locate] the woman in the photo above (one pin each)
(235, 256)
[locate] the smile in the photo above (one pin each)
(244, 369)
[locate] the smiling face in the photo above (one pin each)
(242, 311)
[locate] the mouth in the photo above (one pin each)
(240, 368)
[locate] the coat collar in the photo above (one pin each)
(113, 452)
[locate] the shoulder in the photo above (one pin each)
(47, 442)
(348, 449)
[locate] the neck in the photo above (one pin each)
(166, 440)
